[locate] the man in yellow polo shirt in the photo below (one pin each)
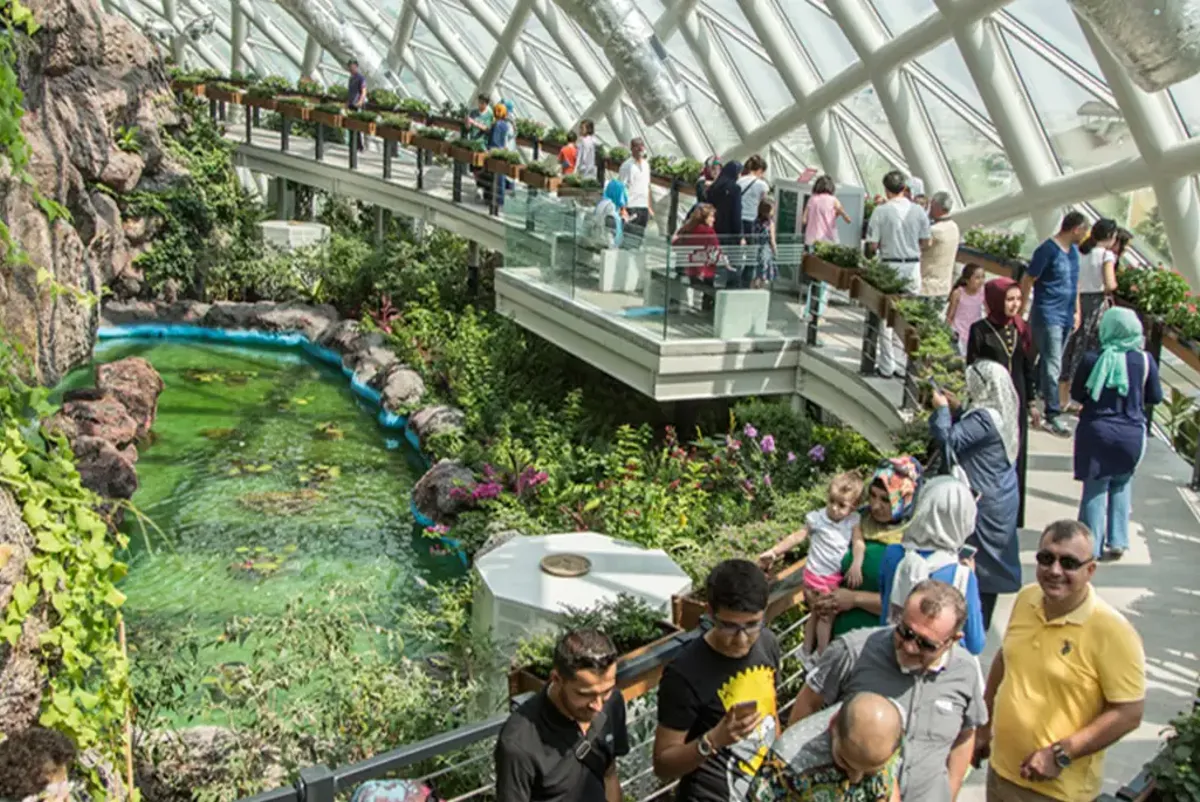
(1069, 681)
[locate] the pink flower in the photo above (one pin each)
(767, 479)
(791, 457)
(817, 453)
(734, 445)
(750, 431)
(485, 491)
(768, 444)
(437, 529)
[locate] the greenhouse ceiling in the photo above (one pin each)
(1017, 107)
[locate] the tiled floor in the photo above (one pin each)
(1157, 585)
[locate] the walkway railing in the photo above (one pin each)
(461, 759)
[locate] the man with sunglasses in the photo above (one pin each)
(919, 664)
(562, 744)
(716, 702)
(1068, 682)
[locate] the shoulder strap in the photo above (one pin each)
(584, 749)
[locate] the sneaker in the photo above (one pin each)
(1057, 427)
(1112, 555)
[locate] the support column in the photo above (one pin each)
(432, 85)
(312, 55)
(719, 71)
(406, 23)
(237, 36)
(448, 39)
(862, 27)
(574, 51)
(504, 45)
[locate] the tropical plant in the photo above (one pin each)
(581, 182)
(1176, 768)
(548, 166)
(1000, 244)
(383, 98)
(293, 100)
(363, 116)
(662, 165)
(391, 119)
(270, 86)
(433, 132)
(529, 129)
(129, 139)
(336, 109)
(555, 135)
(308, 86)
(617, 154)
(1153, 290)
(883, 277)
(510, 156)
(413, 106)
(846, 256)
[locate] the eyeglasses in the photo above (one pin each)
(1047, 559)
(907, 634)
(753, 628)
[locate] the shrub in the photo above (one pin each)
(1176, 768)
(391, 119)
(662, 165)
(336, 109)
(271, 86)
(617, 154)
(530, 129)
(363, 116)
(309, 87)
(555, 136)
(433, 132)
(510, 156)
(291, 100)
(548, 166)
(384, 98)
(1000, 244)
(413, 106)
(575, 180)
(847, 256)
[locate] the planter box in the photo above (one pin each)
(502, 167)
(404, 136)
(992, 264)
(351, 124)
(475, 158)
(1184, 350)
(437, 146)
(188, 88)
(541, 181)
(449, 123)
(295, 112)
(551, 147)
(224, 95)
(259, 102)
(870, 298)
(664, 181)
(325, 118)
(522, 680)
(687, 610)
(581, 193)
(817, 268)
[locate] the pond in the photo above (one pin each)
(269, 486)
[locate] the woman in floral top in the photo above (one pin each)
(848, 753)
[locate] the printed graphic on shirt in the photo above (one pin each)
(757, 685)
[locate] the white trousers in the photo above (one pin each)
(885, 351)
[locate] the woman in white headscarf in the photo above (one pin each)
(984, 443)
(932, 549)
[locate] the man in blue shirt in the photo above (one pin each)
(1053, 278)
(356, 95)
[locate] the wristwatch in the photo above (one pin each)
(704, 746)
(1061, 758)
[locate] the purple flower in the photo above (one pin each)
(437, 529)
(530, 478)
(485, 491)
(817, 453)
(791, 457)
(768, 444)
(750, 431)
(746, 483)
(767, 479)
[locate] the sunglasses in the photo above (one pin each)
(731, 628)
(1047, 559)
(907, 635)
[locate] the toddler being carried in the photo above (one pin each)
(832, 532)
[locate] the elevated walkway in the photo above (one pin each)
(551, 287)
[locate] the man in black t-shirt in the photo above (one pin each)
(562, 745)
(716, 703)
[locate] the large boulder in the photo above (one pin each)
(400, 388)
(311, 321)
(85, 74)
(96, 414)
(444, 491)
(21, 680)
(342, 337)
(137, 385)
(103, 469)
(429, 422)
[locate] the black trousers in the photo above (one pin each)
(635, 227)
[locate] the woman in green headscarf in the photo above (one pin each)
(1115, 386)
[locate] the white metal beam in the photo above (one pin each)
(504, 47)
(576, 52)
(921, 38)
(801, 80)
(237, 37)
(312, 55)
(448, 39)
(406, 23)
(430, 82)
(1155, 128)
(171, 15)
(1010, 109)
(508, 41)
(718, 71)
(180, 40)
(273, 35)
(226, 33)
(914, 136)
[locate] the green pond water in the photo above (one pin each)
(271, 483)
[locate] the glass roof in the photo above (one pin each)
(1037, 60)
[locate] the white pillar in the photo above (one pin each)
(504, 46)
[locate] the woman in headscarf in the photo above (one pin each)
(890, 495)
(1004, 337)
(498, 138)
(945, 516)
(1115, 386)
(610, 214)
(985, 442)
(725, 195)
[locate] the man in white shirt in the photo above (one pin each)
(898, 232)
(635, 175)
(940, 256)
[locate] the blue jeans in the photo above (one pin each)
(1050, 341)
(1105, 509)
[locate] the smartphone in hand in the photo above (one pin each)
(967, 553)
(744, 708)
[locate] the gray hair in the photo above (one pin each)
(943, 201)
(937, 596)
(1066, 529)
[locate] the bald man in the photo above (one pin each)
(848, 751)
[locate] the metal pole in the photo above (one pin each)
(316, 784)
(420, 168)
(674, 208)
(870, 343)
(459, 167)
(320, 141)
(212, 109)
(354, 135)
(388, 147)
(251, 119)
(285, 131)
(1154, 347)
(472, 269)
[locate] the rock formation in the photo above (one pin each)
(85, 75)
(104, 424)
